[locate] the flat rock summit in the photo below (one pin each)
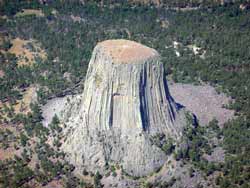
(124, 104)
(127, 52)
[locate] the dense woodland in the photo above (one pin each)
(221, 31)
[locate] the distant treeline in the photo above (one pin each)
(10, 7)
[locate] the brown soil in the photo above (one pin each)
(25, 56)
(7, 153)
(29, 96)
(22, 106)
(127, 52)
(54, 184)
(10, 152)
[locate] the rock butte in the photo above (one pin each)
(125, 51)
(124, 104)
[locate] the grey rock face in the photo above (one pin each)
(125, 102)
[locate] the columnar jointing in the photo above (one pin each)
(125, 102)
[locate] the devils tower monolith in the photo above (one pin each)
(125, 102)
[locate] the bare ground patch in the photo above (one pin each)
(27, 12)
(25, 55)
(23, 105)
(29, 96)
(218, 155)
(9, 135)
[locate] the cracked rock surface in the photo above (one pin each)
(125, 102)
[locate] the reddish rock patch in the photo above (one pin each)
(127, 52)
(1, 74)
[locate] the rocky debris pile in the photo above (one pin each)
(125, 102)
(203, 101)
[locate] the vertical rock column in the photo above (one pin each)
(125, 102)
